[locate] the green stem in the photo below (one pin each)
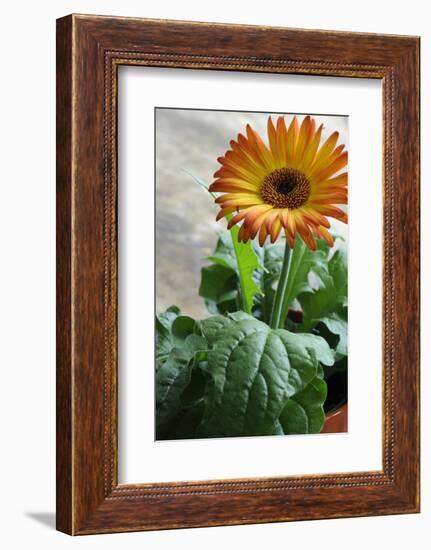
(297, 255)
(281, 289)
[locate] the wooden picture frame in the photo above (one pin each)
(89, 51)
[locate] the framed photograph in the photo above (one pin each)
(237, 274)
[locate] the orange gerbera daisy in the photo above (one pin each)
(291, 185)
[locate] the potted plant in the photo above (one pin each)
(271, 357)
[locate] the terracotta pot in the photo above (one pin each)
(336, 421)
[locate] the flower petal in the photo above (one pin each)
(260, 148)
(275, 229)
(271, 218)
(290, 240)
(247, 157)
(244, 171)
(248, 149)
(335, 166)
(323, 233)
(256, 224)
(238, 196)
(243, 235)
(224, 212)
(273, 144)
(324, 152)
(282, 139)
(263, 233)
(305, 134)
(254, 212)
(243, 213)
(311, 149)
(331, 211)
(219, 184)
(291, 224)
(292, 136)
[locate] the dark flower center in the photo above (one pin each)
(285, 188)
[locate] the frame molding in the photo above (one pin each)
(89, 51)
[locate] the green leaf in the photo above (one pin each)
(240, 316)
(183, 326)
(186, 422)
(189, 414)
(330, 295)
(316, 345)
(247, 262)
(234, 266)
(224, 253)
(173, 377)
(338, 271)
(167, 317)
(303, 413)
(253, 371)
(210, 327)
(180, 380)
(195, 390)
(219, 288)
(337, 324)
(164, 338)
